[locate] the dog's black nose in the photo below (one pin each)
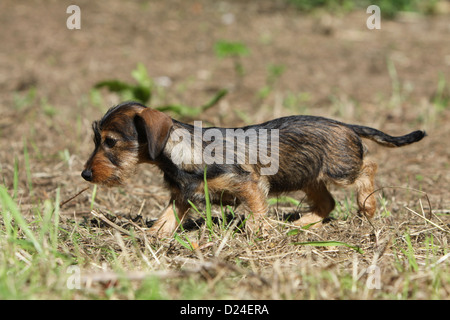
(87, 174)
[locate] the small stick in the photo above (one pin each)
(427, 220)
(107, 221)
(404, 188)
(70, 199)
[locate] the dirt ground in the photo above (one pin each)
(334, 66)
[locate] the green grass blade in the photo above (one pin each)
(54, 236)
(27, 166)
(8, 205)
(185, 244)
(410, 253)
(16, 178)
(328, 244)
(214, 100)
(285, 199)
(209, 222)
(296, 231)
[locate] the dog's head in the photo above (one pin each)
(128, 134)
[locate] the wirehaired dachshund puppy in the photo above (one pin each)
(241, 165)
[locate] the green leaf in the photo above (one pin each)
(114, 85)
(214, 100)
(224, 49)
(141, 93)
(192, 112)
(140, 74)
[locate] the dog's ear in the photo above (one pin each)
(153, 127)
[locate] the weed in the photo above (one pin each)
(192, 112)
(328, 244)
(243, 116)
(283, 199)
(186, 242)
(400, 252)
(441, 99)
(329, 5)
(16, 178)
(24, 101)
(274, 72)
(27, 166)
(297, 103)
(96, 98)
(389, 9)
(385, 213)
(151, 289)
(235, 51)
(94, 193)
(410, 253)
(400, 91)
(49, 110)
(207, 213)
(143, 92)
(65, 156)
(14, 223)
(343, 209)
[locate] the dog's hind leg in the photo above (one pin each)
(365, 188)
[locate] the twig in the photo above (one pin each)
(427, 220)
(404, 188)
(227, 235)
(146, 242)
(70, 199)
(88, 279)
(442, 259)
(102, 217)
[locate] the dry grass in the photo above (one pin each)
(61, 240)
(397, 257)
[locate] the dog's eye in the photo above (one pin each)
(110, 142)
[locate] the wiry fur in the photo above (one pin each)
(313, 152)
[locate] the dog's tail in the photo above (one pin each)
(385, 139)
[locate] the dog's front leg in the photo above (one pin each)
(254, 198)
(170, 219)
